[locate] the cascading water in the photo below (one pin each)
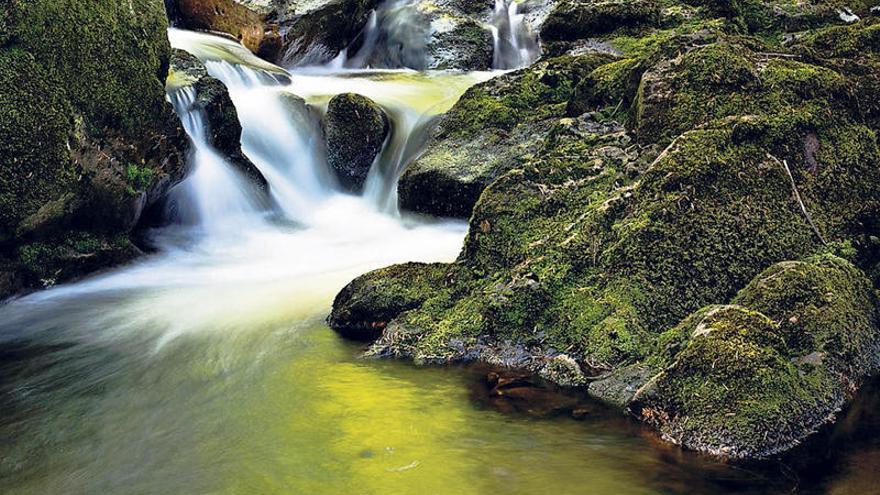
(396, 36)
(215, 197)
(281, 135)
(514, 44)
(399, 32)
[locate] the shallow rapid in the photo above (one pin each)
(207, 367)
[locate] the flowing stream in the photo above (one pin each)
(207, 367)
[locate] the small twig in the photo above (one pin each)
(797, 196)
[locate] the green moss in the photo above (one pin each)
(375, 298)
(517, 98)
(111, 55)
(85, 125)
(728, 78)
(855, 40)
(35, 121)
(57, 260)
(139, 177)
(755, 378)
(487, 131)
(575, 19)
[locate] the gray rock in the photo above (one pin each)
(621, 385)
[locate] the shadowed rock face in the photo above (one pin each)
(356, 129)
(318, 36)
(76, 174)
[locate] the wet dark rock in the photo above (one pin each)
(620, 386)
(364, 307)
(318, 36)
(212, 97)
(466, 46)
(356, 129)
(517, 391)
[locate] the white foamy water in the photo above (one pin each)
(231, 263)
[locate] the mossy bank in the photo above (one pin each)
(88, 139)
(687, 188)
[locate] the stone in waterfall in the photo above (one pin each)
(88, 138)
(317, 35)
(356, 129)
(418, 34)
(224, 128)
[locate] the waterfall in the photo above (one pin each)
(396, 36)
(514, 44)
(280, 114)
(216, 196)
(281, 135)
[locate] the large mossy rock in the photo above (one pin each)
(757, 377)
(732, 155)
(212, 98)
(356, 129)
(486, 132)
(88, 138)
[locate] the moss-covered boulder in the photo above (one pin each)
(356, 129)
(486, 132)
(365, 306)
(213, 100)
(88, 138)
(701, 158)
(757, 377)
(578, 19)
